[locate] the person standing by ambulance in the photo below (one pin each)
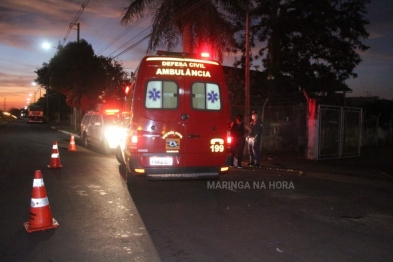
(254, 140)
(238, 131)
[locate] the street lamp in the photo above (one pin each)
(46, 45)
(39, 89)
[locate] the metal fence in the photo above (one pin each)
(377, 129)
(342, 130)
(339, 131)
(284, 127)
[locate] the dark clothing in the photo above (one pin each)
(237, 130)
(237, 149)
(254, 142)
(238, 143)
(256, 128)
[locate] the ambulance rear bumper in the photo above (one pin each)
(192, 172)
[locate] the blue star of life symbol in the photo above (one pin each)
(154, 94)
(172, 143)
(212, 97)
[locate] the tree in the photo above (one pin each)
(84, 78)
(199, 24)
(115, 79)
(15, 112)
(310, 44)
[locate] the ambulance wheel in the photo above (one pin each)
(132, 180)
(128, 177)
(119, 156)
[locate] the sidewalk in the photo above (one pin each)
(374, 162)
(65, 127)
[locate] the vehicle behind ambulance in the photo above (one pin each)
(178, 115)
(36, 114)
(101, 129)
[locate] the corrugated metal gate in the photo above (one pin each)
(339, 131)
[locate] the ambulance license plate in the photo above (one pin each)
(161, 161)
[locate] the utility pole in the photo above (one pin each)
(77, 29)
(247, 69)
(77, 38)
(74, 109)
(58, 117)
(47, 105)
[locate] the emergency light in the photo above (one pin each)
(111, 111)
(205, 55)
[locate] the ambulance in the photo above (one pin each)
(178, 115)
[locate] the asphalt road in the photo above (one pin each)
(246, 215)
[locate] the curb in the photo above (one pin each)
(1, 124)
(66, 132)
(386, 181)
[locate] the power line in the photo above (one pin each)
(75, 20)
(188, 10)
(117, 38)
(105, 24)
(131, 40)
(178, 16)
(124, 33)
(113, 41)
(132, 46)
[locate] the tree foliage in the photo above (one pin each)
(301, 44)
(198, 25)
(84, 78)
(310, 44)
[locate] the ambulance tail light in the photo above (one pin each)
(229, 138)
(134, 139)
(229, 141)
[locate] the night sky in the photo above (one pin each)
(25, 25)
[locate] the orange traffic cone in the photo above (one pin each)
(72, 146)
(40, 213)
(55, 157)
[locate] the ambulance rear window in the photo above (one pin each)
(161, 94)
(206, 96)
